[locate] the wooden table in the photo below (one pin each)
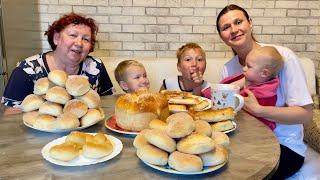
(254, 153)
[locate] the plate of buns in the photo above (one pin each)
(182, 145)
(62, 103)
(111, 124)
(180, 101)
(79, 149)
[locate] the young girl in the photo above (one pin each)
(131, 76)
(191, 64)
(260, 77)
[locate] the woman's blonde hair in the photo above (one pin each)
(121, 69)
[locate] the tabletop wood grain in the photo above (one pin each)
(254, 153)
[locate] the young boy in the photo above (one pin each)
(131, 76)
(260, 76)
(192, 65)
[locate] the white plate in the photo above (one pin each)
(202, 98)
(81, 160)
(111, 124)
(230, 130)
(206, 169)
(59, 130)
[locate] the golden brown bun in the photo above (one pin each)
(185, 162)
(91, 98)
(58, 95)
(180, 125)
(31, 102)
(157, 124)
(76, 107)
(76, 137)
(177, 107)
(220, 138)
(30, 117)
(92, 117)
(195, 144)
(100, 148)
(160, 139)
(222, 126)
(200, 106)
(44, 121)
(77, 85)
(212, 115)
(41, 86)
(218, 156)
(153, 155)
(203, 127)
(50, 108)
(169, 93)
(58, 77)
(139, 140)
(67, 121)
(64, 152)
(184, 100)
(134, 111)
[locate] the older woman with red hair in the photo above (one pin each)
(72, 38)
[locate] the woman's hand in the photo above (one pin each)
(251, 103)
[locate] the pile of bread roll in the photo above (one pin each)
(134, 111)
(182, 143)
(62, 102)
(78, 143)
(180, 101)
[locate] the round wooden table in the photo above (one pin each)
(254, 153)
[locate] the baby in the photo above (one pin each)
(131, 76)
(260, 76)
(191, 64)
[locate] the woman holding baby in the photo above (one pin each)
(294, 103)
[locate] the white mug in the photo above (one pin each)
(226, 95)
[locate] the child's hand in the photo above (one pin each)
(196, 76)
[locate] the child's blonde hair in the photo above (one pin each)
(188, 46)
(273, 59)
(121, 69)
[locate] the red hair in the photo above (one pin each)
(71, 18)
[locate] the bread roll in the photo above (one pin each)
(222, 126)
(64, 152)
(45, 122)
(76, 137)
(140, 140)
(58, 95)
(30, 117)
(203, 127)
(41, 86)
(58, 77)
(77, 85)
(170, 93)
(195, 144)
(220, 138)
(177, 107)
(200, 106)
(97, 150)
(76, 107)
(160, 139)
(31, 102)
(67, 121)
(157, 124)
(92, 117)
(134, 111)
(184, 100)
(91, 98)
(185, 162)
(50, 108)
(213, 158)
(212, 115)
(180, 125)
(101, 138)
(152, 155)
